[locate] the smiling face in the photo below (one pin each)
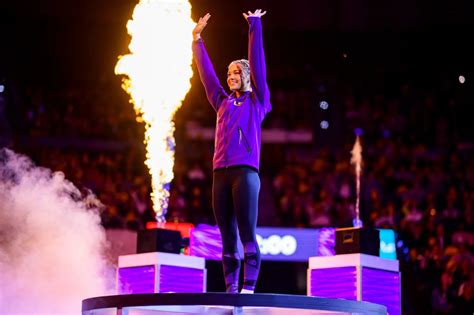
(238, 76)
(234, 77)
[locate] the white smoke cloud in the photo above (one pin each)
(52, 246)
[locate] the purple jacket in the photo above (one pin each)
(239, 120)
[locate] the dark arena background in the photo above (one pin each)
(399, 75)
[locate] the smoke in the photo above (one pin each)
(52, 246)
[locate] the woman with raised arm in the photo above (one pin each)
(236, 182)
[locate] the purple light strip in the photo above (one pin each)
(327, 242)
(136, 280)
(205, 241)
(382, 287)
(181, 279)
(334, 283)
(133, 280)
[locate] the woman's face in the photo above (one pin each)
(234, 77)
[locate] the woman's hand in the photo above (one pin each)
(257, 13)
(201, 24)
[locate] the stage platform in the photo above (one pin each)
(224, 303)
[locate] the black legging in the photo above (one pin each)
(235, 202)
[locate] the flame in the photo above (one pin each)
(157, 76)
(357, 160)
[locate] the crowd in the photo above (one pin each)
(417, 174)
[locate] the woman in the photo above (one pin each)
(236, 182)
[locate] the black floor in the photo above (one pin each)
(275, 277)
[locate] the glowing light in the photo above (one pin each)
(324, 124)
(157, 76)
(2, 88)
(275, 245)
(324, 105)
(462, 79)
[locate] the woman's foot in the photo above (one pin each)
(246, 291)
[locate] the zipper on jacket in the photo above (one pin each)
(225, 146)
(246, 143)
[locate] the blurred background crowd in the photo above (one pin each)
(406, 92)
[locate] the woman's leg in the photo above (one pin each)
(226, 221)
(245, 190)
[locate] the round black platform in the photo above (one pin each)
(245, 304)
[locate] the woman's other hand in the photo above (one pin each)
(257, 13)
(201, 24)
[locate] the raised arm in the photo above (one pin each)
(214, 90)
(258, 70)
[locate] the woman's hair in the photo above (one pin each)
(245, 72)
